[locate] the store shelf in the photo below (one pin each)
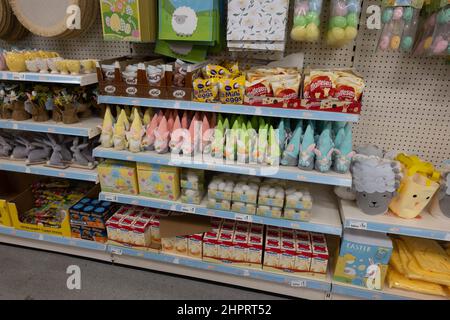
(283, 173)
(86, 128)
(259, 278)
(325, 214)
(83, 248)
(426, 226)
(82, 80)
(69, 173)
(233, 109)
(342, 291)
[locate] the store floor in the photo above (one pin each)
(33, 274)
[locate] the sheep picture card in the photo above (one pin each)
(129, 20)
(188, 20)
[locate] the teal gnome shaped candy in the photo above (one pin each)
(290, 154)
(324, 151)
(344, 151)
(306, 161)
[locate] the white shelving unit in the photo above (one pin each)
(325, 213)
(81, 80)
(426, 226)
(232, 109)
(85, 128)
(69, 173)
(283, 173)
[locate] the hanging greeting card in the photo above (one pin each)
(129, 20)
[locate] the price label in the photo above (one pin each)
(246, 273)
(447, 237)
(258, 111)
(176, 261)
(28, 170)
(358, 225)
(243, 217)
(110, 197)
(135, 202)
(15, 126)
(51, 130)
(298, 284)
(130, 158)
(188, 209)
(72, 243)
(117, 252)
(18, 76)
(41, 237)
(62, 175)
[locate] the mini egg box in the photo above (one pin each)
(245, 192)
(193, 179)
(243, 208)
(297, 215)
(271, 195)
(298, 198)
(221, 188)
(269, 212)
(191, 196)
(223, 205)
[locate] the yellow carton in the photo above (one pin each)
(159, 182)
(118, 177)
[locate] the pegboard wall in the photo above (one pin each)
(406, 103)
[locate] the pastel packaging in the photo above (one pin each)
(195, 246)
(363, 259)
(160, 182)
(273, 248)
(210, 244)
(225, 250)
(320, 256)
(118, 177)
(240, 247)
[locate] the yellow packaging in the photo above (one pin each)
(396, 262)
(397, 280)
(118, 177)
(216, 71)
(161, 182)
(231, 91)
(205, 90)
(5, 218)
(233, 67)
(429, 254)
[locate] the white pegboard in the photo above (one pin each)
(406, 102)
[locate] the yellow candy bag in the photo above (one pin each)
(231, 91)
(216, 71)
(205, 90)
(397, 280)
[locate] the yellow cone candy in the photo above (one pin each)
(298, 33)
(312, 32)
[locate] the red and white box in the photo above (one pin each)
(303, 255)
(225, 240)
(210, 245)
(181, 245)
(155, 230)
(195, 246)
(255, 249)
(288, 254)
(240, 247)
(320, 257)
(273, 248)
(141, 233)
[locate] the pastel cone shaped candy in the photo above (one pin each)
(135, 134)
(107, 129)
(170, 122)
(185, 121)
(148, 115)
(162, 137)
(149, 139)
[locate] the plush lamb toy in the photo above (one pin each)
(441, 202)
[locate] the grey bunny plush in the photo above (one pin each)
(6, 147)
(78, 157)
(40, 153)
(61, 154)
(22, 149)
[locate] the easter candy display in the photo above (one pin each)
(306, 20)
(343, 23)
(399, 28)
(425, 38)
(441, 35)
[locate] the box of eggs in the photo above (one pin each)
(271, 195)
(221, 188)
(223, 205)
(246, 192)
(298, 198)
(193, 179)
(191, 196)
(243, 208)
(269, 212)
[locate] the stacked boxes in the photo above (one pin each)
(220, 193)
(298, 204)
(118, 177)
(236, 243)
(88, 219)
(245, 197)
(135, 227)
(295, 251)
(271, 199)
(161, 182)
(192, 186)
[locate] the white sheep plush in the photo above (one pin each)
(375, 181)
(184, 21)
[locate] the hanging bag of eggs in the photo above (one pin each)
(307, 20)
(399, 29)
(434, 35)
(343, 23)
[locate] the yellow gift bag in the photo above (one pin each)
(418, 187)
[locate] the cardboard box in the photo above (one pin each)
(221, 205)
(161, 182)
(118, 177)
(195, 246)
(89, 233)
(210, 245)
(91, 213)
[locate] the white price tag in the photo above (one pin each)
(110, 197)
(41, 237)
(51, 130)
(15, 126)
(307, 115)
(243, 217)
(135, 202)
(117, 252)
(18, 76)
(358, 225)
(176, 261)
(188, 209)
(246, 273)
(298, 284)
(72, 243)
(258, 111)
(28, 170)
(447, 237)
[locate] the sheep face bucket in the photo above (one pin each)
(376, 203)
